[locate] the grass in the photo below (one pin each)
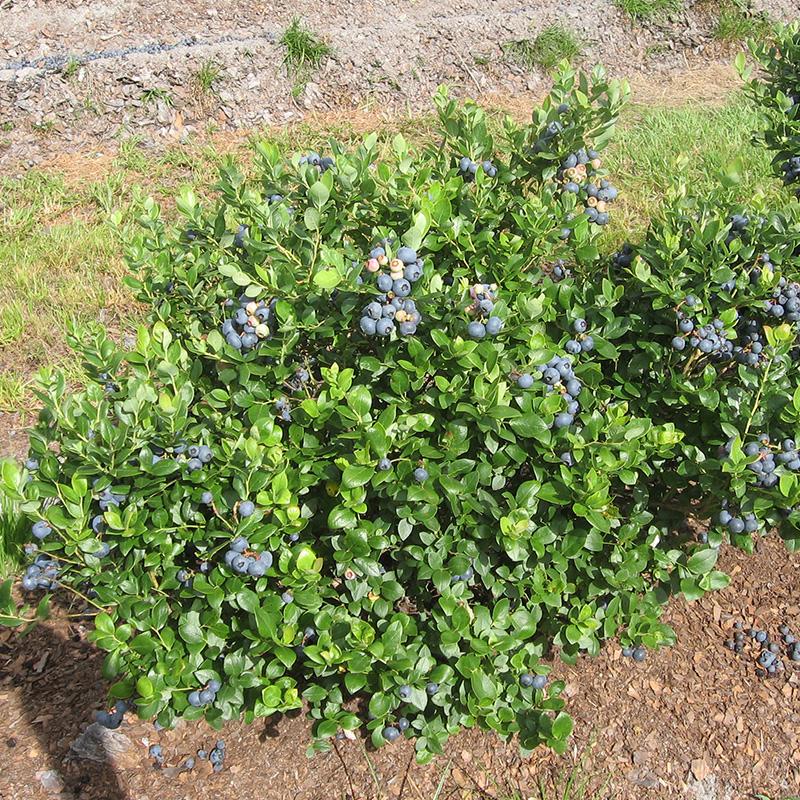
(655, 144)
(303, 52)
(71, 68)
(206, 75)
(153, 95)
(554, 44)
(303, 49)
(735, 24)
(647, 9)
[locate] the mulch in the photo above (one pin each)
(692, 721)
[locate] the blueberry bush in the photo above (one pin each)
(776, 90)
(399, 427)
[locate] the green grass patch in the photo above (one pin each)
(554, 44)
(653, 145)
(647, 9)
(205, 76)
(736, 24)
(303, 52)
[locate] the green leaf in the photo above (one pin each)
(356, 475)
(319, 194)
(327, 278)
(702, 561)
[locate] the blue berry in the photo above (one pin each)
(494, 325)
(246, 508)
(476, 330)
(525, 381)
(420, 475)
(390, 733)
(539, 681)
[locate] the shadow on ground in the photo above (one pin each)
(50, 687)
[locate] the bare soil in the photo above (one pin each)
(82, 73)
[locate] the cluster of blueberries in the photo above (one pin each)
(559, 270)
(322, 163)
(707, 339)
(392, 308)
(216, 757)
(297, 383)
(791, 171)
(198, 455)
(785, 302)
(240, 559)
(283, 410)
(41, 574)
(393, 732)
(623, 258)
(484, 296)
(108, 498)
(240, 236)
(550, 132)
(737, 523)
(251, 324)
(755, 273)
(751, 350)
(109, 384)
(558, 374)
(739, 224)
(769, 660)
(469, 168)
(581, 342)
(530, 681)
(184, 578)
(577, 175)
(636, 653)
(112, 719)
(204, 697)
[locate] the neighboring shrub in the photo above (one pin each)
(711, 307)
(776, 89)
(288, 490)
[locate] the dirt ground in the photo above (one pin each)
(85, 73)
(694, 721)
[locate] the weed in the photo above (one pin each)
(304, 52)
(735, 23)
(71, 68)
(647, 9)
(206, 76)
(12, 537)
(554, 44)
(156, 93)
